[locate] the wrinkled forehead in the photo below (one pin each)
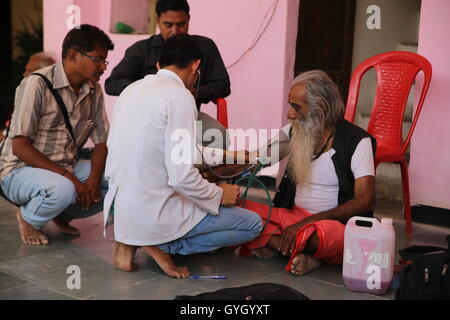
(297, 92)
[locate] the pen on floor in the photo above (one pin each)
(208, 277)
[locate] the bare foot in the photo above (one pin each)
(304, 263)
(123, 256)
(265, 253)
(65, 227)
(271, 249)
(165, 262)
(29, 234)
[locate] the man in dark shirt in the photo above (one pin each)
(141, 58)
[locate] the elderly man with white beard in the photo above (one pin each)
(329, 179)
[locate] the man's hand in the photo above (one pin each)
(289, 238)
(93, 186)
(230, 194)
(83, 195)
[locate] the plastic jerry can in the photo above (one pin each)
(369, 251)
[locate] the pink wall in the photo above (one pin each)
(430, 145)
(261, 79)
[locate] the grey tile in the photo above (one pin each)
(315, 289)
(159, 288)
(31, 292)
(91, 238)
(237, 269)
(40, 272)
(328, 273)
(8, 281)
(12, 247)
(50, 270)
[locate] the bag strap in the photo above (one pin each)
(61, 104)
(4, 140)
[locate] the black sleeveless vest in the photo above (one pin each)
(346, 139)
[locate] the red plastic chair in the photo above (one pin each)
(396, 72)
(222, 113)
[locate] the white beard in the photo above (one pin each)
(301, 148)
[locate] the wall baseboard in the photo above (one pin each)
(431, 215)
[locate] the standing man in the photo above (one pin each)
(161, 202)
(39, 169)
(141, 58)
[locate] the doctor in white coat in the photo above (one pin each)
(161, 203)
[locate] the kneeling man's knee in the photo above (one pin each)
(256, 224)
(63, 193)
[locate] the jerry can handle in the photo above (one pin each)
(353, 221)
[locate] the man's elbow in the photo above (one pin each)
(226, 91)
(367, 203)
(109, 87)
(15, 150)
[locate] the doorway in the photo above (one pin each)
(325, 39)
(22, 35)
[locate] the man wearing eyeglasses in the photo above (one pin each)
(39, 168)
(141, 58)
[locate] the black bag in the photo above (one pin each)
(258, 291)
(427, 277)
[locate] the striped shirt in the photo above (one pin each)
(38, 117)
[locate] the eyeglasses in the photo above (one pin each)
(96, 60)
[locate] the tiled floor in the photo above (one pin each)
(28, 272)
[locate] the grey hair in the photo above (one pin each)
(322, 97)
(45, 59)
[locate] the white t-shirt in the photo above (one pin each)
(321, 194)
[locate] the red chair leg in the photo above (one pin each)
(406, 199)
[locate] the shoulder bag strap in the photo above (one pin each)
(61, 105)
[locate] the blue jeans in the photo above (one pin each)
(44, 195)
(233, 226)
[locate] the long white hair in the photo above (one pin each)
(323, 99)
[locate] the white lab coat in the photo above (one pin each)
(156, 198)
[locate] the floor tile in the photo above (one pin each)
(31, 272)
(31, 292)
(315, 289)
(12, 247)
(8, 281)
(159, 288)
(50, 270)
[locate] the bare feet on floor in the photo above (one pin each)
(123, 256)
(29, 234)
(65, 227)
(271, 249)
(265, 253)
(165, 262)
(304, 263)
